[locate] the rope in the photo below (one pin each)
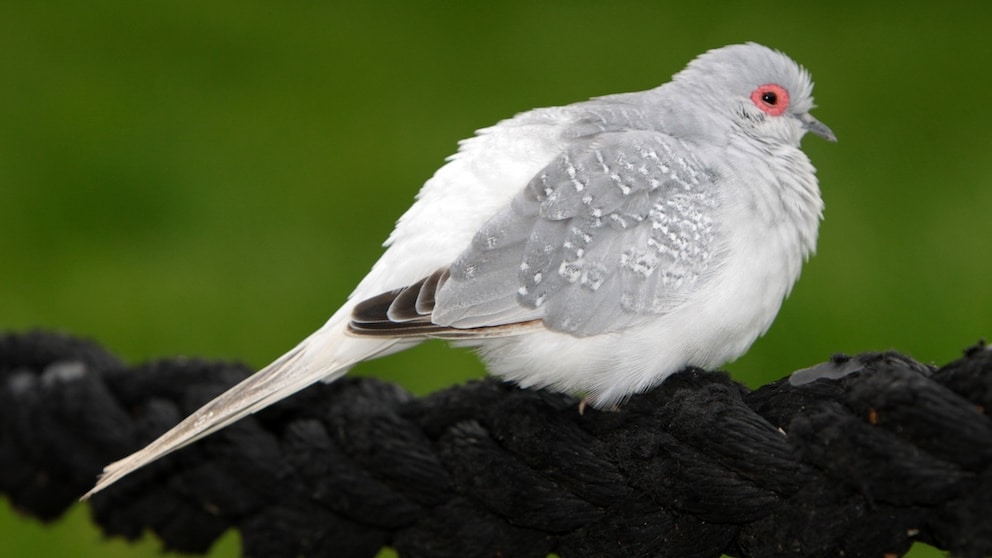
(861, 465)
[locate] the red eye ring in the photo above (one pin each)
(771, 98)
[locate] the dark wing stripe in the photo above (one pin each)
(407, 313)
(389, 329)
(428, 293)
(404, 306)
(373, 310)
(410, 329)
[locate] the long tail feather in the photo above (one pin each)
(325, 355)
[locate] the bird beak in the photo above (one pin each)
(813, 125)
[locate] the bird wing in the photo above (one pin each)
(617, 229)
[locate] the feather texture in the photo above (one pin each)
(594, 248)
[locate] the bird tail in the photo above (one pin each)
(326, 355)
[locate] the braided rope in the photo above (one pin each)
(863, 465)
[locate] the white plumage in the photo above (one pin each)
(594, 248)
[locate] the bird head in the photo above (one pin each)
(761, 92)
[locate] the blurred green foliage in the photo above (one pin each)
(211, 178)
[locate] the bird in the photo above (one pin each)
(593, 248)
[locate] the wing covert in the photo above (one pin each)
(616, 229)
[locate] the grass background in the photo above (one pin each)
(211, 178)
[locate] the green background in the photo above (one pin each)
(211, 179)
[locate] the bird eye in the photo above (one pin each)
(771, 98)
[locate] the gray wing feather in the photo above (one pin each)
(616, 229)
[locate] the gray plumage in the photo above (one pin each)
(616, 229)
(593, 248)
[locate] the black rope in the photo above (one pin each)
(863, 465)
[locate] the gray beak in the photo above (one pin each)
(814, 126)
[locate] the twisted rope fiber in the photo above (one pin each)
(860, 466)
